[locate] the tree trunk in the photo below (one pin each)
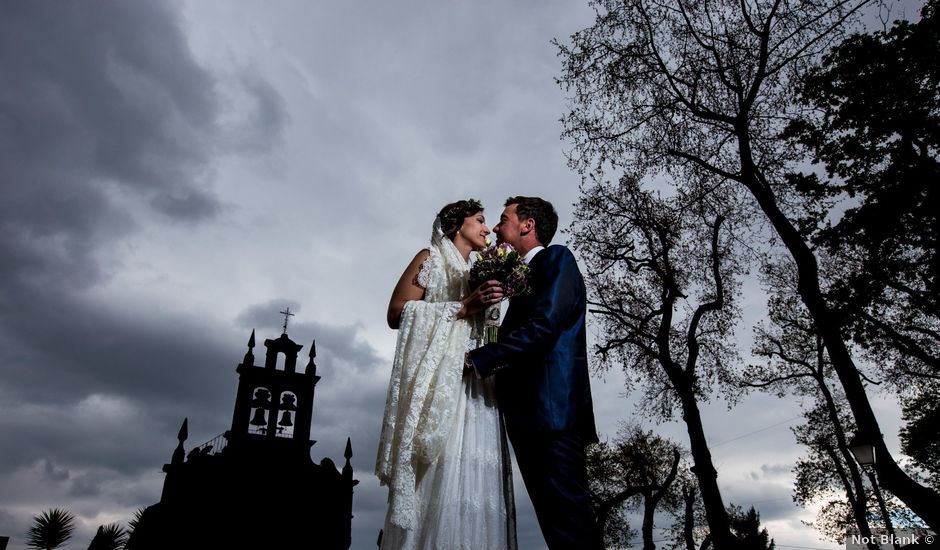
(688, 523)
(857, 498)
(715, 513)
(889, 526)
(649, 510)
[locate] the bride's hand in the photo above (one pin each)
(488, 293)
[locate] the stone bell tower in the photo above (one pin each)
(274, 406)
(255, 485)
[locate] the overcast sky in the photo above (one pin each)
(174, 174)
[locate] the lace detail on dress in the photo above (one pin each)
(451, 311)
(425, 272)
(443, 451)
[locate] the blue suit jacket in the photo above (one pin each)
(540, 360)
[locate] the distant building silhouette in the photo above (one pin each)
(255, 486)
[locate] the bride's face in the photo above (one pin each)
(474, 231)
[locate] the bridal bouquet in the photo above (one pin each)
(501, 263)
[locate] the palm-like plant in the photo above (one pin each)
(134, 532)
(51, 529)
(109, 537)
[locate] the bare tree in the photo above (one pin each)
(636, 471)
(661, 273)
(689, 87)
(797, 366)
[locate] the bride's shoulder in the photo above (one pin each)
(428, 261)
(422, 256)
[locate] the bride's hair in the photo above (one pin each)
(453, 214)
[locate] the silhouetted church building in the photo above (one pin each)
(256, 486)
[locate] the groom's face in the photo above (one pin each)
(509, 229)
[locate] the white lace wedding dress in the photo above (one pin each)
(443, 452)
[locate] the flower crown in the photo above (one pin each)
(472, 205)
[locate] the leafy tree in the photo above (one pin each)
(850, 497)
(747, 527)
(635, 471)
(661, 272)
(688, 528)
(920, 438)
(109, 537)
(700, 91)
(797, 366)
(879, 145)
(610, 490)
(50, 529)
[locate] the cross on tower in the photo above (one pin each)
(287, 315)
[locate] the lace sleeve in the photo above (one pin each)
(424, 272)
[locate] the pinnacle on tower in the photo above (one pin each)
(311, 364)
(249, 359)
(347, 469)
(179, 453)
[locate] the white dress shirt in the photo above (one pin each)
(531, 254)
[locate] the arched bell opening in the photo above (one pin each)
(260, 409)
(287, 414)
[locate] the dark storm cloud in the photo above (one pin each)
(103, 409)
(159, 373)
(103, 107)
(104, 102)
(107, 123)
(57, 356)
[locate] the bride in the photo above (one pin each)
(443, 451)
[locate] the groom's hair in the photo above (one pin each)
(540, 210)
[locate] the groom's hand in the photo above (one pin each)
(467, 364)
(468, 367)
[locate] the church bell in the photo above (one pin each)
(259, 418)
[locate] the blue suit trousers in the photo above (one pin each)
(553, 469)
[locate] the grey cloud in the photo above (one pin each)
(104, 101)
(8, 523)
(265, 315)
(772, 502)
(88, 484)
(266, 115)
(52, 472)
(66, 347)
(107, 108)
(191, 206)
(776, 470)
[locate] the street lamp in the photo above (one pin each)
(863, 450)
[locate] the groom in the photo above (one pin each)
(542, 382)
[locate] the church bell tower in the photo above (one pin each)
(274, 406)
(256, 485)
